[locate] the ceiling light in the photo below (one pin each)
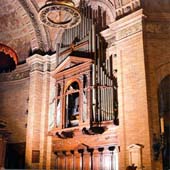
(60, 14)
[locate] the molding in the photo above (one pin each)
(157, 27)
(155, 16)
(128, 31)
(124, 27)
(37, 58)
(21, 72)
(128, 20)
(71, 62)
(41, 63)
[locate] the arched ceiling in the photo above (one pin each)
(21, 29)
(14, 28)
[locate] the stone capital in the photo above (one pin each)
(39, 63)
(124, 27)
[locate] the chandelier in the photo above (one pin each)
(60, 14)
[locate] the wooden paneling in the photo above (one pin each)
(100, 158)
(35, 156)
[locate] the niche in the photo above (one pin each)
(72, 105)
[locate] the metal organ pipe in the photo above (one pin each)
(102, 78)
(99, 77)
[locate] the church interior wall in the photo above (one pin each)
(139, 44)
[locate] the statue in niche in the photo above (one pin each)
(72, 106)
(73, 109)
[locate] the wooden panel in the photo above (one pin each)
(96, 160)
(69, 161)
(35, 156)
(77, 160)
(61, 161)
(86, 161)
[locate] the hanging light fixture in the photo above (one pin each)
(60, 14)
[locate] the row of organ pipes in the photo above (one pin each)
(89, 16)
(104, 83)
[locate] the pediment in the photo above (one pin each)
(70, 62)
(134, 146)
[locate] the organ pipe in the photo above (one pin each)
(103, 91)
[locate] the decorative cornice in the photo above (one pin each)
(128, 31)
(124, 27)
(37, 67)
(21, 72)
(41, 63)
(108, 34)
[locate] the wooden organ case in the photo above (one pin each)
(84, 109)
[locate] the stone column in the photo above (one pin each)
(132, 89)
(36, 138)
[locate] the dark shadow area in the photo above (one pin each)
(15, 156)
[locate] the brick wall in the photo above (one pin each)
(13, 108)
(157, 62)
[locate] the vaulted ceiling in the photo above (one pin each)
(21, 29)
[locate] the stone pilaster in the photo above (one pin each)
(37, 127)
(125, 37)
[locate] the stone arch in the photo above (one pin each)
(164, 95)
(164, 112)
(162, 71)
(39, 39)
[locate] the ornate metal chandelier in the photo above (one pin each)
(60, 14)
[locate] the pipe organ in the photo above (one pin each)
(86, 38)
(84, 107)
